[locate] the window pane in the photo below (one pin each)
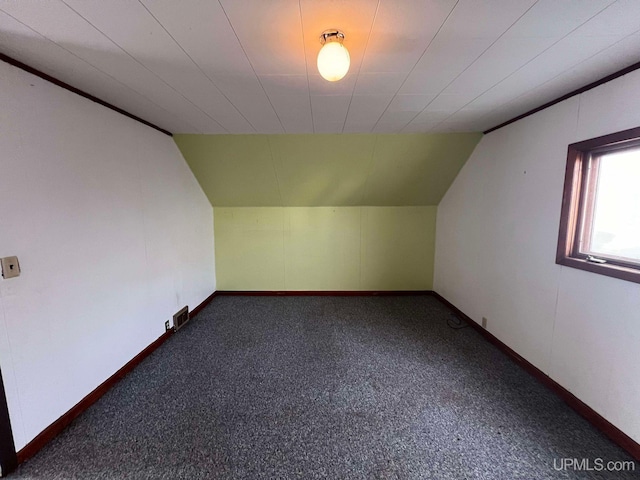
(616, 220)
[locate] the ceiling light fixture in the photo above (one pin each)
(333, 58)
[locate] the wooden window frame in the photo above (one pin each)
(578, 201)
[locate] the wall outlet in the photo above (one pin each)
(166, 326)
(10, 267)
(484, 322)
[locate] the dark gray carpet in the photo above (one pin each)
(325, 387)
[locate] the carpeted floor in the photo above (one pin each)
(325, 387)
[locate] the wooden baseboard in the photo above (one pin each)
(597, 420)
(61, 423)
(613, 432)
(204, 303)
(322, 293)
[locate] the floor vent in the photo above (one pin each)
(180, 318)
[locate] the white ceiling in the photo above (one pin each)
(249, 66)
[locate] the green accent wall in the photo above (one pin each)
(326, 170)
(325, 212)
(324, 248)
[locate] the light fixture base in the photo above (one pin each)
(331, 36)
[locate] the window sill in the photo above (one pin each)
(616, 271)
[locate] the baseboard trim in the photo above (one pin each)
(203, 304)
(613, 432)
(61, 423)
(597, 420)
(322, 293)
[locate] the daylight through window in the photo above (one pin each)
(600, 224)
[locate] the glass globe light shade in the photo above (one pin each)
(333, 61)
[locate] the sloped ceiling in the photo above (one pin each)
(326, 170)
(249, 66)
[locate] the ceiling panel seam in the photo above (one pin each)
(364, 53)
(468, 67)
(306, 66)
(470, 64)
(523, 66)
(559, 75)
(197, 66)
(147, 68)
(252, 67)
(417, 62)
(97, 68)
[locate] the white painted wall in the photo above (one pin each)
(113, 234)
(496, 237)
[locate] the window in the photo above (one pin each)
(600, 221)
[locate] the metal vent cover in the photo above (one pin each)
(180, 318)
